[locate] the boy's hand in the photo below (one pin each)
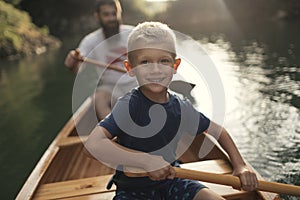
(158, 169)
(248, 178)
(163, 173)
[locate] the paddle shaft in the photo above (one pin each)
(234, 181)
(98, 63)
(229, 180)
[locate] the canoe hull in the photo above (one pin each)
(65, 172)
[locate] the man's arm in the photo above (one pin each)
(73, 60)
(247, 177)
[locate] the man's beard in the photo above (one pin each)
(111, 29)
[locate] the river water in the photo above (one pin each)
(259, 69)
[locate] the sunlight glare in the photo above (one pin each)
(159, 0)
(156, 6)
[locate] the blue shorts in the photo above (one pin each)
(181, 189)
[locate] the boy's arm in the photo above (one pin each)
(100, 146)
(247, 177)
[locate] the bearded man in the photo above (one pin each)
(107, 44)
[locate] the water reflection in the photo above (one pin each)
(263, 108)
(35, 97)
(19, 88)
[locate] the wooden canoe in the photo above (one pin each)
(65, 172)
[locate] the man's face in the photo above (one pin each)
(108, 17)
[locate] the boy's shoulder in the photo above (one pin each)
(181, 100)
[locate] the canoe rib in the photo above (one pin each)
(65, 172)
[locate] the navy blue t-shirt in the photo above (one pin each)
(146, 126)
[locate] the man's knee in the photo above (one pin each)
(102, 98)
(103, 104)
(102, 94)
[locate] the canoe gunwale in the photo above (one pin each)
(33, 181)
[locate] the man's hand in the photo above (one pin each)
(73, 60)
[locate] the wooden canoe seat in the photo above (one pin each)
(76, 188)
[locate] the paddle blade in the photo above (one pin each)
(184, 88)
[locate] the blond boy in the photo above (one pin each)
(149, 122)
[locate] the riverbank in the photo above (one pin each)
(19, 36)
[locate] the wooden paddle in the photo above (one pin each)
(98, 63)
(225, 179)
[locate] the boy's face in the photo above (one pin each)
(153, 68)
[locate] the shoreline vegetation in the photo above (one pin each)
(19, 37)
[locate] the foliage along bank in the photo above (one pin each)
(19, 36)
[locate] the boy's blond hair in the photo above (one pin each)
(152, 35)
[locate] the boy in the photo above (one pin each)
(149, 122)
